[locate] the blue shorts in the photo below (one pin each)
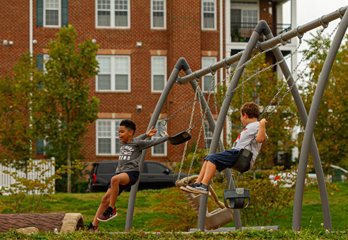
(133, 176)
(222, 160)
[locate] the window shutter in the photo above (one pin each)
(39, 63)
(39, 146)
(39, 66)
(39, 13)
(65, 13)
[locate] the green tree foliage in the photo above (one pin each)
(332, 121)
(64, 106)
(17, 137)
(15, 97)
(261, 85)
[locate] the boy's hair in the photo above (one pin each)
(251, 109)
(129, 124)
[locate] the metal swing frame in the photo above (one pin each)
(308, 121)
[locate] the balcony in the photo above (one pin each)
(241, 31)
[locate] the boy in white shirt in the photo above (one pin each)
(251, 138)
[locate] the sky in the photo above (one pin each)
(309, 10)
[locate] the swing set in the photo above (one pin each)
(238, 198)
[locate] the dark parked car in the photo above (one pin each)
(154, 175)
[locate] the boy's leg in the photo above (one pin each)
(110, 212)
(202, 172)
(209, 172)
(116, 181)
(102, 207)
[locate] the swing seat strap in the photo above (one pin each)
(243, 161)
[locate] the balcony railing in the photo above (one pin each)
(241, 31)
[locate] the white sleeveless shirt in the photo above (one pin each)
(247, 139)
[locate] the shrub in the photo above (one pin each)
(267, 200)
(80, 187)
(177, 213)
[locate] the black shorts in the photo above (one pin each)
(133, 176)
(222, 160)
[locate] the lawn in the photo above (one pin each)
(148, 219)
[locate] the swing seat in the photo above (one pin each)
(214, 219)
(235, 198)
(179, 138)
(243, 161)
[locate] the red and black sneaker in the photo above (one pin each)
(92, 228)
(109, 214)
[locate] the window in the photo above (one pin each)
(208, 14)
(209, 81)
(114, 73)
(160, 149)
(158, 73)
(52, 13)
(208, 135)
(244, 17)
(114, 14)
(108, 142)
(158, 14)
(42, 146)
(155, 168)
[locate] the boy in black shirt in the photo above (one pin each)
(127, 171)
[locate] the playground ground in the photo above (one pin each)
(146, 215)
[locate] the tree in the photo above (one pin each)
(64, 108)
(261, 88)
(332, 121)
(16, 133)
(17, 137)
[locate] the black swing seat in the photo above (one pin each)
(179, 138)
(235, 198)
(243, 161)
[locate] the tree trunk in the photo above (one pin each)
(69, 170)
(63, 222)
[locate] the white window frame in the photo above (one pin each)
(158, 135)
(114, 135)
(204, 65)
(164, 15)
(246, 6)
(113, 73)
(59, 15)
(112, 16)
(164, 58)
(202, 14)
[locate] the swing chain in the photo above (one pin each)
(294, 83)
(192, 126)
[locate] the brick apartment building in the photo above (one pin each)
(140, 42)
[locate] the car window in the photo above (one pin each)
(155, 168)
(107, 168)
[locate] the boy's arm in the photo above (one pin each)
(150, 133)
(261, 133)
(150, 143)
(141, 137)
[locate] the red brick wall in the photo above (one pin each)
(183, 37)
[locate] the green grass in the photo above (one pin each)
(145, 216)
(312, 215)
